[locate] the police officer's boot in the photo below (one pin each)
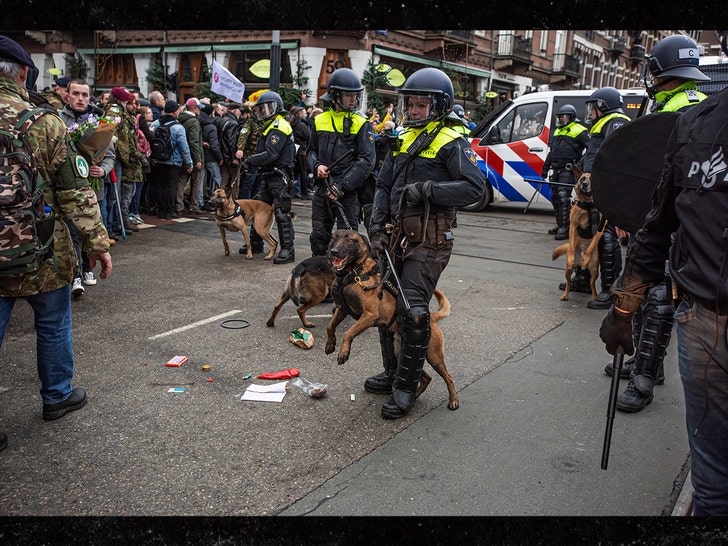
(285, 234)
(415, 338)
(555, 204)
(650, 352)
(562, 215)
(610, 266)
(382, 383)
(580, 281)
(256, 243)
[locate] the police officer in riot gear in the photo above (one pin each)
(604, 108)
(566, 147)
(274, 157)
(670, 73)
(341, 155)
(419, 187)
(457, 121)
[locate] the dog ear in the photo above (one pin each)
(229, 190)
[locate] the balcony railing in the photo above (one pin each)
(515, 46)
(637, 53)
(566, 64)
(617, 44)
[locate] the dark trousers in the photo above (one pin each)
(164, 185)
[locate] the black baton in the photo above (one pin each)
(612, 407)
(396, 279)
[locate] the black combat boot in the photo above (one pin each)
(256, 243)
(562, 215)
(382, 383)
(610, 266)
(285, 234)
(657, 322)
(415, 338)
(580, 281)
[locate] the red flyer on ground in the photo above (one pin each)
(176, 362)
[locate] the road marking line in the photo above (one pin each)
(195, 324)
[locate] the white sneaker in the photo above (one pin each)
(89, 279)
(77, 289)
(135, 219)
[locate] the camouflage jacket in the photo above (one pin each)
(47, 139)
(53, 98)
(126, 148)
(248, 136)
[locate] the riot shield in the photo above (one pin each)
(627, 168)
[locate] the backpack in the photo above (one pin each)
(26, 229)
(161, 144)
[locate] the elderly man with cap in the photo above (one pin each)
(57, 95)
(189, 118)
(47, 288)
(166, 172)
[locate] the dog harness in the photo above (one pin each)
(595, 223)
(237, 212)
(357, 276)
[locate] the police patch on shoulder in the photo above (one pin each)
(81, 167)
(370, 135)
(618, 124)
(471, 155)
(274, 139)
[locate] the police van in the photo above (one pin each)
(512, 141)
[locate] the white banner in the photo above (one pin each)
(226, 84)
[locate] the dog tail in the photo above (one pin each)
(560, 251)
(444, 309)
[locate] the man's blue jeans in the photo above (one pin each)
(212, 175)
(54, 341)
(703, 362)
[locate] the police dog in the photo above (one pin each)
(582, 247)
(307, 286)
(363, 297)
(235, 215)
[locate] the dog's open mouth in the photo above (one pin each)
(339, 263)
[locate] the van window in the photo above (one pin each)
(522, 122)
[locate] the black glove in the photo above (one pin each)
(417, 193)
(379, 241)
(334, 192)
(616, 331)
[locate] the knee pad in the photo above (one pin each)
(416, 317)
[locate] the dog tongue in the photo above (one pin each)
(337, 262)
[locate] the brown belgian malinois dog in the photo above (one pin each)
(582, 247)
(365, 298)
(306, 286)
(235, 215)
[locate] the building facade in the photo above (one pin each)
(498, 64)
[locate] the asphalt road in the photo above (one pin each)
(527, 439)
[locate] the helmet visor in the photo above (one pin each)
(265, 110)
(416, 110)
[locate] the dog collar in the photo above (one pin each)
(237, 212)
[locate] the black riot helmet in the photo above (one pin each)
(673, 58)
(435, 86)
(566, 110)
(606, 100)
(343, 80)
(268, 105)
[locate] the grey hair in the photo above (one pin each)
(9, 68)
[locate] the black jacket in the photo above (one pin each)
(449, 162)
(209, 135)
(227, 133)
(691, 200)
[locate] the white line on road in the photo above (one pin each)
(195, 324)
